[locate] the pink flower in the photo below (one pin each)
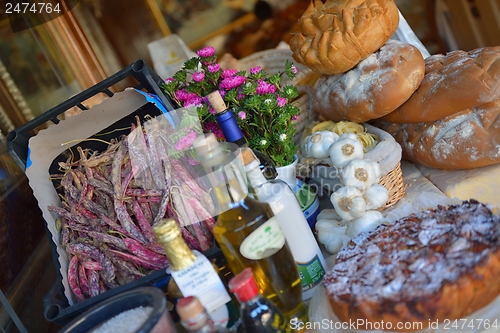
(211, 126)
(294, 69)
(183, 95)
(242, 115)
(186, 141)
(281, 101)
(213, 68)
(211, 110)
(198, 76)
(170, 79)
(206, 52)
(264, 87)
(232, 82)
(255, 70)
(193, 101)
(228, 73)
(218, 133)
(296, 117)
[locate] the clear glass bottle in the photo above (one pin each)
(194, 318)
(193, 273)
(258, 314)
(305, 249)
(247, 231)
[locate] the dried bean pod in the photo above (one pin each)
(93, 277)
(84, 282)
(137, 260)
(139, 250)
(146, 228)
(73, 279)
(89, 251)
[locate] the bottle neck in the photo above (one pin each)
(230, 128)
(199, 324)
(230, 185)
(178, 253)
(254, 174)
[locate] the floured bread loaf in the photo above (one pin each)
(435, 265)
(465, 140)
(375, 87)
(334, 36)
(453, 82)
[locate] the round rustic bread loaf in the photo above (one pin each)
(437, 265)
(334, 36)
(375, 87)
(465, 140)
(453, 82)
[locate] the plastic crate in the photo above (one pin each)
(56, 306)
(148, 80)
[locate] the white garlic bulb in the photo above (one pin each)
(345, 150)
(332, 234)
(328, 214)
(348, 202)
(317, 144)
(368, 222)
(360, 173)
(376, 196)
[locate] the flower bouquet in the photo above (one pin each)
(262, 103)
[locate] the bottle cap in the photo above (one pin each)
(215, 99)
(166, 230)
(243, 285)
(189, 307)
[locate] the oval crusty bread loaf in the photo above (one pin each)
(437, 265)
(465, 140)
(375, 87)
(334, 36)
(453, 82)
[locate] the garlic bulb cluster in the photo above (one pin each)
(357, 200)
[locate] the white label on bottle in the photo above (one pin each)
(264, 241)
(201, 280)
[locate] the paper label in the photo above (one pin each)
(311, 273)
(202, 281)
(264, 241)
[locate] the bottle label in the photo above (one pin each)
(201, 280)
(311, 273)
(264, 241)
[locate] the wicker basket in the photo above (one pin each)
(388, 151)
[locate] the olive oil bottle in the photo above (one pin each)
(247, 231)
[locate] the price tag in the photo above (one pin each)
(201, 280)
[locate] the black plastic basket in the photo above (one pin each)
(56, 306)
(139, 71)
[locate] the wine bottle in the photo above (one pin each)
(258, 314)
(305, 249)
(193, 273)
(247, 231)
(233, 134)
(194, 317)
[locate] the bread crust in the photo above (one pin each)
(375, 87)
(466, 259)
(335, 36)
(465, 140)
(453, 82)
